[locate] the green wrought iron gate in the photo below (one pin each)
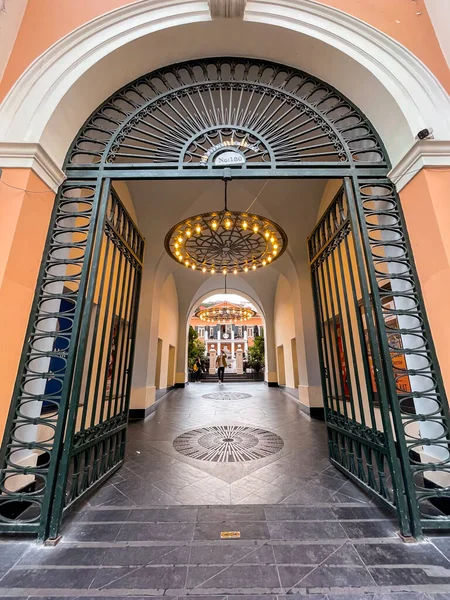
(383, 395)
(386, 409)
(69, 425)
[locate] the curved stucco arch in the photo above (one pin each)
(57, 92)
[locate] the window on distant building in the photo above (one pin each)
(201, 332)
(239, 332)
(250, 331)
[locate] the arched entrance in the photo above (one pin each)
(233, 118)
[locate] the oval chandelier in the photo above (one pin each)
(225, 313)
(226, 241)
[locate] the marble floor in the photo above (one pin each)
(246, 461)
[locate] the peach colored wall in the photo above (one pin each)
(53, 19)
(24, 220)
(425, 202)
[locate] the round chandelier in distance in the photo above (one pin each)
(227, 242)
(224, 313)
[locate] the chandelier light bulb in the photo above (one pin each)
(255, 228)
(267, 234)
(186, 262)
(224, 271)
(180, 257)
(235, 271)
(246, 269)
(269, 258)
(254, 267)
(180, 239)
(244, 224)
(214, 225)
(194, 267)
(264, 262)
(275, 246)
(204, 270)
(188, 233)
(198, 229)
(272, 239)
(228, 223)
(213, 270)
(275, 252)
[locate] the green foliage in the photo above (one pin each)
(256, 354)
(196, 348)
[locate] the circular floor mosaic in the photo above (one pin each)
(228, 443)
(226, 396)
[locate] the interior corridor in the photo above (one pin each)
(155, 473)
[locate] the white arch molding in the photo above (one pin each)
(51, 100)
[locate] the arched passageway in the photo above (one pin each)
(380, 380)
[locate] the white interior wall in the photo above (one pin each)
(168, 325)
(284, 325)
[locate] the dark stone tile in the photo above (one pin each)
(234, 577)
(403, 596)
(368, 529)
(314, 554)
(139, 532)
(147, 495)
(230, 514)
(10, 553)
(120, 515)
(335, 576)
(109, 495)
(443, 544)
(164, 515)
(299, 513)
(249, 531)
(64, 555)
(49, 578)
(362, 512)
(152, 578)
(410, 576)
(349, 597)
(145, 555)
(228, 553)
(291, 530)
(88, 532)
(401, 554)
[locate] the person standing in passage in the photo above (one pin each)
(198, 369)
(221, 364)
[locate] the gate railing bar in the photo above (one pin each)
(335, 312)
(86, 403)
(56, 500)
(121, 354)
(105, 406)
(121, 293)
(360, 242)
(98, 375)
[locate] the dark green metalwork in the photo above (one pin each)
(181, 116)
(174, 123)
(416, 392)
(365, 452)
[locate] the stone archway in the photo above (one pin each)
(176, 123)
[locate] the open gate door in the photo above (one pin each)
(375, 362)
(95, 435)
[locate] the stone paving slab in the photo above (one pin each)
(283, 551)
